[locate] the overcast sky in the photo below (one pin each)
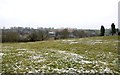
(83, 14)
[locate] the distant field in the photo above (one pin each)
(84, 55)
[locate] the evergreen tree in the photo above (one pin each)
(102, 30)
(113, 30)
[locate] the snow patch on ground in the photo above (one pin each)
(70, 54)
(74, 42)
(30, 51)
(70, 41)
(40, 60)
(117, 41)
(21, 49)
(73, 57)
(1, 54)
(93, 42)
(36, 57)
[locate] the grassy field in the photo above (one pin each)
(84, 55)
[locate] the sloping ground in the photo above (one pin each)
(84, 55)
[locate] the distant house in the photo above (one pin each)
(51, 35)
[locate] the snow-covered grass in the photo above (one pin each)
(84, 55)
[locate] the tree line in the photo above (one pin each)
(20, 34)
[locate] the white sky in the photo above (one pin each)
(83, 14)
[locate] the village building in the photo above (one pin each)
(51, 35)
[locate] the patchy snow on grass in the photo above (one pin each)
(70, 41)
(104, 63)
(36, 57)
(70, 54)
(93, 42)
(68, 70)
(31, 72)
(40, 60)
(1, 54)
(107, 70)
(74, 42)
(21, 49)
(21, 52)
(85, 61)
(117, 41)
(66, 56)
(63, 52)
(74, 57)
(53, 59)
(30, 52)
